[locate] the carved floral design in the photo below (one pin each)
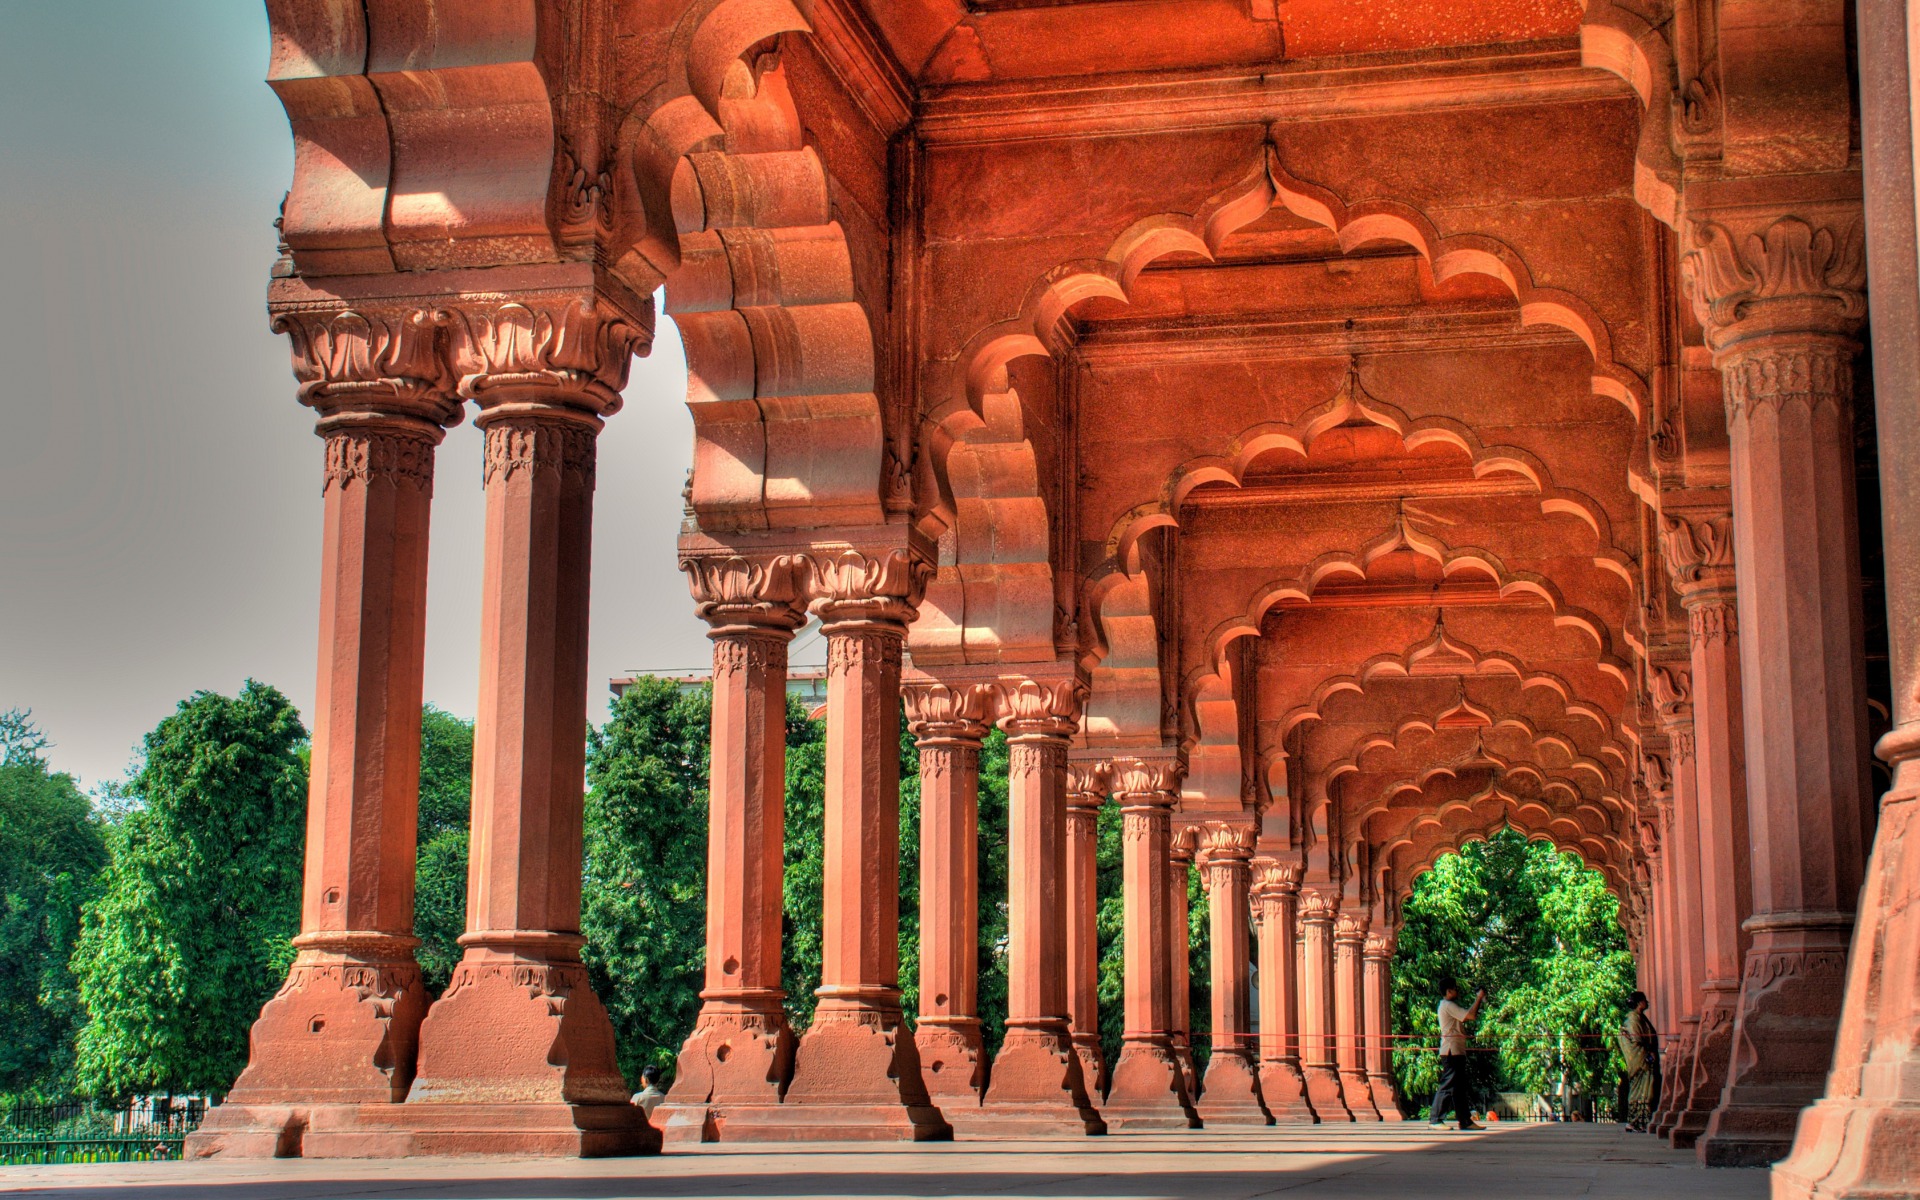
(851, 585)
(365, 454)
(1350, 927)
(1697, 547)
(1713, 622)
(1147, 780)
(732, 589)
(371, 358)
(568, 350)
(1730, 277)
(940, 711)
(1378, 947)
(532, 445)
(1049, 708)
(1817, 372)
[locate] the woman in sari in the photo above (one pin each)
(1640, 1048)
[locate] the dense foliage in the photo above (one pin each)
(191, 931)
(440, 871)
(50, 851)
(1540, 932)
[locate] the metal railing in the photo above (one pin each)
(150, 1130)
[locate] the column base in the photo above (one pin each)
(856, 1077)
(1233, 1090)
(1149, 1090)
(1035, 1089)
(1093, 1065)
(518, 1026)
(1853, 1150)
(953, 1063)
(1183, 1052)
(1325, 1094)
(1284, 1091)
(416, 1130)
(1385, 1102)
(1712, 1049)
(343, 1029)
(1358, 1093)
(740, 1053)
(1790, 1001)
(1676, 1080)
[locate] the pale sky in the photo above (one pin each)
(159, 483)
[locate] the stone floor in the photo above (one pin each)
(1534, 1162)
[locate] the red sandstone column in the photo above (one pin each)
(1232, 1095)
(1282, 1087)
(1697, 546)
(1349, 1001)
(1780, 297)
(1086, 792)
(1036, 1086)
(517, 1056)
(1179, 928)
(740, 1053)
(1660, 939)
(1860, 1140)
(856, 1072)
(1378, 986)
(948, 723)
(1319, 1061)
(1149, 1089)
(343, 1028)
(1707, 863)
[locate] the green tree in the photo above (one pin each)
(1539, 931)
(440, 873)
(192, 929)
(50, 853)
(643, 900)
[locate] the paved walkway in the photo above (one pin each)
(1522, 1162)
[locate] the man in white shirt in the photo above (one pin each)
(1453, 1057)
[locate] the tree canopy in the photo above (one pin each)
(440, 856)
(50, 851)
(1540, 932)
(192, 929)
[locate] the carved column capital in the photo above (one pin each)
(1316, 907)
(1087, 786)
(568, 348)
(369, 359)
(1273, 877)
(1698, 549)
(1181, 845)
(1041, 707)
(537, 442)
(1222, 842)
(853, 585)
(1350, 927)
(1673, 696)
(1752, 273)
(1147, 780)
(1378, 947)
(938, 712)
(731, 590)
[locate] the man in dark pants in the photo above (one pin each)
(1453, 1057)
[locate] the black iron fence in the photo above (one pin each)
(148, 1130)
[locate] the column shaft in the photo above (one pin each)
(948, 724)
(1319, 1061)
(1349, 1002)
(344, 1028)
(1179, 929)
(1282, 1087)
(1776, 278)
(1232, 1095)
(856, 1071)
(740, 1053)
(1859, 1140)
(1036, 1086)
(1086, 791)
(1378, 1024)
(1149, 1088)
(519, 1024)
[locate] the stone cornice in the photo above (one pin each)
(859, 57)
(1546, 72)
